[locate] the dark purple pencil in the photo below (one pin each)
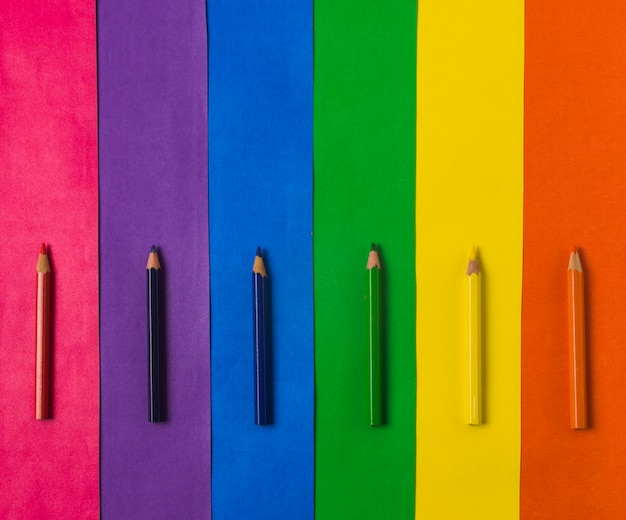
(259, 318)
(154, 395)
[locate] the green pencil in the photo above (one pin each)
(373, 307)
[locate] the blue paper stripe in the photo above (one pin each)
(260, 194)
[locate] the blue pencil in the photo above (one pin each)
(259, 317)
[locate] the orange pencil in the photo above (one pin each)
(42, 341)
(577, 362)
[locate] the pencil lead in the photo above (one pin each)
(153, 249)
(258, 251)
(42, 251)
(473, 253)
(373, 247)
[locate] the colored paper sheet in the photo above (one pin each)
(469, 193)
(260, 192)
(49, 193)
(364, 193)
(575, 161)
(154, 190)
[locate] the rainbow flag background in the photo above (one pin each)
(312, 129)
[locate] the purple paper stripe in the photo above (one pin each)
(153, 190)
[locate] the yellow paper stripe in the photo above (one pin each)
(469, 190)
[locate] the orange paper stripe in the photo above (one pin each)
(575, 180)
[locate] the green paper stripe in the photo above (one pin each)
(364, 192)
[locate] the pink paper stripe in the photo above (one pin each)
(49, 193)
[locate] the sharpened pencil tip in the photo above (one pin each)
(43, 262)
(574, 249)
(472, 265)
(153, 259)
(259, 266)
(574, 261)
(373, 260)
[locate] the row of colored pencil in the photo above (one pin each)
(576, 327)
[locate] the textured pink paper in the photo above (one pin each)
(49, 193)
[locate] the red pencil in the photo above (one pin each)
(42, 342)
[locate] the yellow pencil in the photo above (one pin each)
(474, 340)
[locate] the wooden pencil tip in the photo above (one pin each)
(259, 266)
(373, 247)
(574, 261)
(43, 262)
(153, 259)
(373, 260)
(472, 265)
